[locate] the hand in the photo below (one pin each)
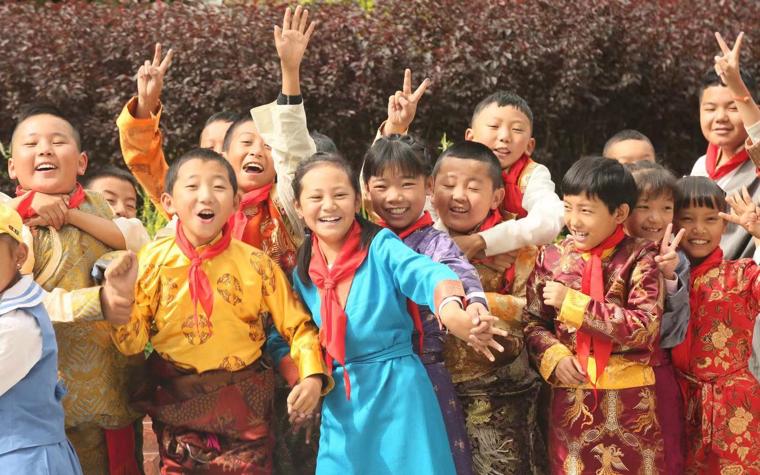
(309, 423)
(743, 212)
(667, 261)
(150, 82)
(554, 294)
(727, 64)
(476, 310)
(470, 244)
(569, 371)
(119, 288)
(478, 331)
(402, 106)
(52, 210)
(303, 398)
(292, 39)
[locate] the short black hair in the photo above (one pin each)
(222, 116)
(111, 171)
(240, 120)
(402, 153)
(42, 108)
(205, 155)
(504, 99)
(652, 179)
(625, 134)
(469, 150)
(323, 142)
(694, 191)
(602, 178)
(711, 79)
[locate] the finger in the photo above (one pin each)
(307, 432)
(496, 331)
(578, 367)
(730, 218)
(407, 81)
(745, 195)
(277, 34)
(722, 43)
(286, 19)
(304, 21)
(421, 90)
(403, 102)
(664, 247)
(292, 398)
(167, 61)
(294, 24)
(495, 345)
(157, 55)
(677, 240)
(310, 30)
(738, 44)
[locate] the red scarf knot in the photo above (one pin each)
(513, 195)
(26, 211)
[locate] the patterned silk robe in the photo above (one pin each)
(621, 433)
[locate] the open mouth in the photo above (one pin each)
(396, 211)
(458, 209)
(206, 215)
(45, 167)
(651, 230)
(329, 219)
(580, 236)
(698, 242)
(253, 167)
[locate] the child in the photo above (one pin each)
(593, 324)
(208, 340)
(499, 399)
(355, 278)
(652, 218)
(629, 146)
(46, 159)
(119, 188)
(34, 440)
(729, 158)
(214, 130)
(722, 398)
(396, 175)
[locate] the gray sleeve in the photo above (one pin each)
(675, 319)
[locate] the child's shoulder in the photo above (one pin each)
(24, 294)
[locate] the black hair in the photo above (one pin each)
(40, 108)
(652, 179)
(468, 150)
(323, 142)
(222, 116)
(401, 153)
(504, 99)
(240, 120)
(368, 229)
(694, 191)
(625, 134)
(111, 171)
(711, 79)
(602, 178)
(205, 155)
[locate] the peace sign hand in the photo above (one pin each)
(402, 106)
(667, 260)
(150, 82)
(744, 212)
(727, 64)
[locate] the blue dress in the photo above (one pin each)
(392, 424)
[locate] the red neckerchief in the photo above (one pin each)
(592, 284)
(681, 352)
(726, 167)
(200, 287)
(25, 207)
(424, 221)
(332, 334)
(513, 195)
(239, 220)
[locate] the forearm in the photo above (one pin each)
(102, 229)
(75, 305)
(291, 80)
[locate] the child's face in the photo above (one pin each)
(505, 130)
(463, 194)
(203, 200)
(719, 118)
(630, 151)
(398, 200)
(704, 228)
(212, 136)
(650, 216)
(45, 156)
(120, 195)
(590, 221)
(250, 157)
(12, 255)
(327, 203)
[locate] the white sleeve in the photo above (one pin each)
(754, 132)
(20, 347)
(135, 234)
(542, 224)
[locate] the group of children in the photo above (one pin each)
(424, 316)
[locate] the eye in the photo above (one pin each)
(191, 187)
(472, 188)
(220, 188)
(268, 147)
(379, 187)
(247, 143)
(517, 130)
(642, 206)
(408, 184)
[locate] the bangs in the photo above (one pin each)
(699, 191)
(399, 154)
(653, 180)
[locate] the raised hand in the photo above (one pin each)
(150, 82)
(667, 260)
(292, 39)
(744, 212)
(402, 106)
(727, 64)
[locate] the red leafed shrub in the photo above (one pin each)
(587, 67)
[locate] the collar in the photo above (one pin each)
(23, 294)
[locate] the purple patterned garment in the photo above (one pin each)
(441, 248)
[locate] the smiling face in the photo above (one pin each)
(650, 216)
(398, 200)
(212, 136)
(463, 194)
(589, 220)
(328, 203)
(704, 228)
(250, 157)
(45, 156)
(202, 198)
(720, 120)
(505, 130)
(119, 193)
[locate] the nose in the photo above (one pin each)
(120, 210)
(44, 147)
(458, 194)
(571, 219)
(721, 114)
(394, 194)
(205, 194)
(328, 204)
(258, 147)
(503, 135)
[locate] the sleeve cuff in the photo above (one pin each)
(283, 100)
(127, 117)
(573, 308)
(310, 364)
(84, 304)
(551, 357)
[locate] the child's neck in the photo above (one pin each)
(13, 282)
(727, 152)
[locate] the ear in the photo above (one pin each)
(621, 213)
(82, 161)
(11, 169)
(297, 206)
(168, 203)
(236, 201)
(358, 203)
(429, 186)
(22, 252)
(497, 198)
(531, 146)
(469, 134)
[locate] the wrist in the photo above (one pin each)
(145, 108)
(390, 128)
